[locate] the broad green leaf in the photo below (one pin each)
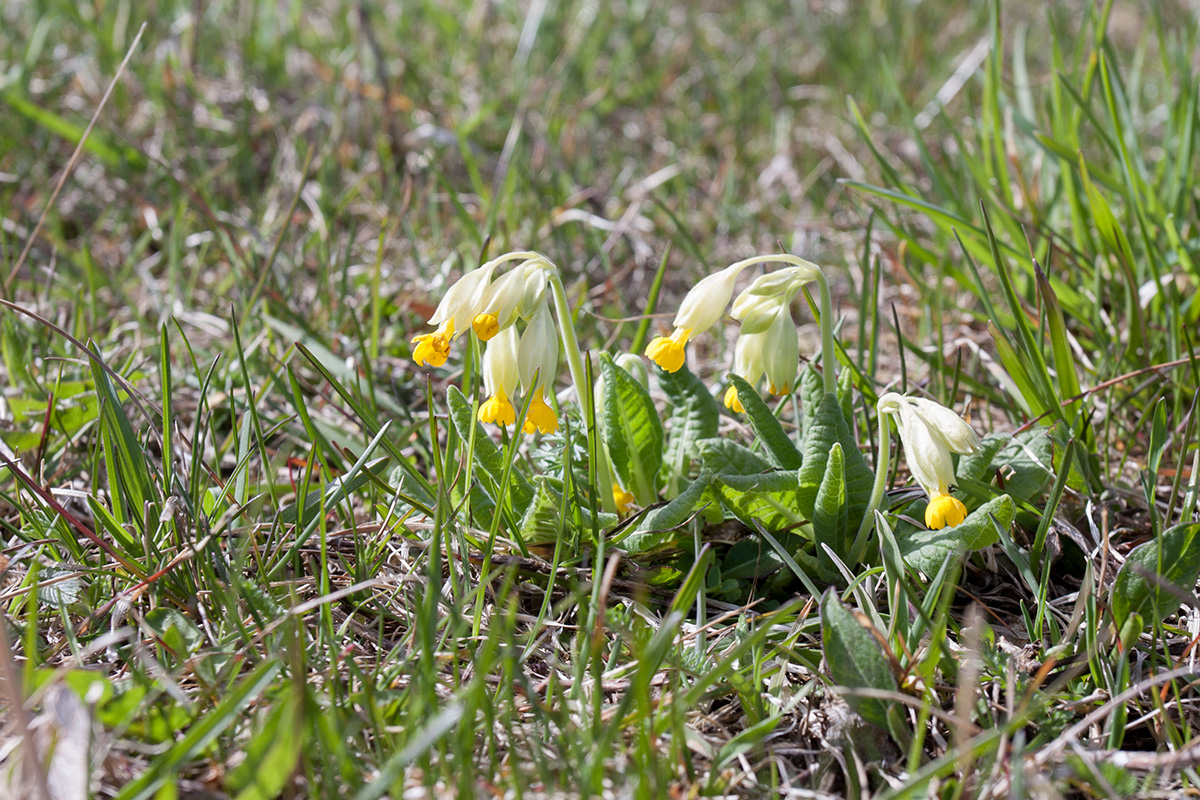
(488, 455)
(694, 417)
(1174, 558)
(1026, 464)
(978, 467)
(177, 632)
(750, 558)
(781, 449)
(830, 511)
(661, 525)
(727, 457)
(828, 428)
(927, 550)
(632, 430)
(542, 521)
(769, 498)
(812, 390)
(855, 659)
(272, 751)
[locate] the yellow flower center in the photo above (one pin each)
(623, 499)
(497, 410)
(433, 348)
(668, 352)
(486, 326)
(732, 401)
(540, 416)
(944, 510)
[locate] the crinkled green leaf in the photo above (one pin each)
(727, 457)
(781, 449)
(926, 550)
(830, 511)
(542, 520)
(829, 427)
(978, 467)
(1027, 464)
(1174, 557)
(812, 389)
(855, 659)
(632, 430)
(694, 417)
(660, 526)
(769, 498)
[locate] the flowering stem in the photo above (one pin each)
(566, 327)
(883, 463)
(828, 354)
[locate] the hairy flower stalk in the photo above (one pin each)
(930, 433)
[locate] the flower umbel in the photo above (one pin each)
(930, 433)
(699, 311)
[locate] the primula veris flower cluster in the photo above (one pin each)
(930, 433)
(492, 309)
(768, 344)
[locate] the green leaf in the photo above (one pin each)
(271, 753)
(1026, 464)
(812, 390)
(828, 428)
(129, 474)
(727, 457)
(542, 521)
(694, 417)
(204, 732)
(1174, 558)
(660, 525)
(769, 498)
(926, 550)
(830, 511)
(855, 659)
(176, 631)
(488, 455)
(781, 449)
(978, 467)
(632, 431)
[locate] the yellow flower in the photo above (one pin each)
(699, 311)
(500, 376)
(944, 510)
(732, 402)
(537, 363)
(453, 314)
(930, 433)
(623, 499)
(668, 351)
(433, 348)
(540, 416)
(518, 292)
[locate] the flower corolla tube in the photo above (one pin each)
(500, 377)
(537, 362)
(930, 433)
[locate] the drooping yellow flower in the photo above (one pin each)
(773, 350)
(433, 348)
(500, 377)
(700, 310)
(930, 433)
(453, 315)
(540, 416)
(537, 363)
